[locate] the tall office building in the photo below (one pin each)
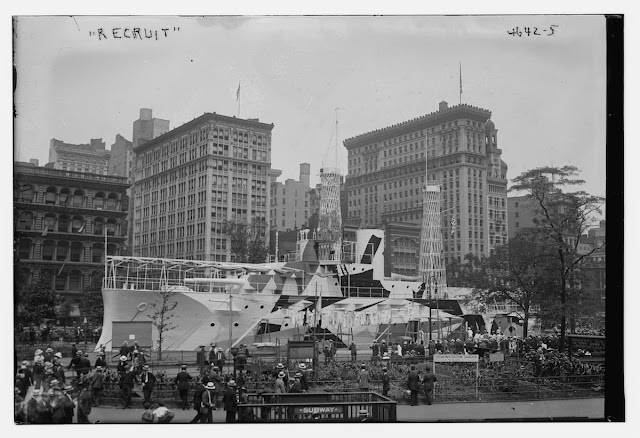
(290, 201)
(188, 181)
(85, 158)
(387, 173)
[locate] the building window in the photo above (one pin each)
(77, 224)
(78, 198)
(76, 252)
(24, 249)
(50, 196)
(61, 281)
(26, 221)
(48, 249)
(98, 226)
(62, 252)
(98, 201)
(97, 253)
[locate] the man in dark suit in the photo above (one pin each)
(126, 386)
(220, 359)
(124, 350)
(385, 381)
(428, 381)
(230, 401)
(197, 401)
(97, 386)
(147, 381)
(413, 384)
(100, 361)
(85, 365)
(182, 382)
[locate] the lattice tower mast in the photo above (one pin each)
(330, 220)
(432, 265)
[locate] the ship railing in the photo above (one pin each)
(178, 285)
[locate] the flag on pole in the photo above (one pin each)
(45, 231)
(453, 225)
(81, 228)
(238, 93)
(460, 77)
(62, 267)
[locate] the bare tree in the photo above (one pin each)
(162, 316)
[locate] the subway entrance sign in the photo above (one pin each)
(311, 410)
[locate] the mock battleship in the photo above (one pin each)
(345, 296)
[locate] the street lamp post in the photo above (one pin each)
(431, 281)
(85, 333)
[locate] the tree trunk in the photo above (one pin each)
(525, 326)
(563, 317)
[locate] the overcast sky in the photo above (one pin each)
(546, 93)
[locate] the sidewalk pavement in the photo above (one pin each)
(542, 410)
(547, 410)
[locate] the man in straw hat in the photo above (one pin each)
(148, 381)
(127, 379)
(230, 402)
(280, 387)
(304, 384)
(123, 366)
(206, 410)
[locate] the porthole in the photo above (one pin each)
(213, 324)
(262, 307)
(246, 306)
(235, 324)
(286, 325)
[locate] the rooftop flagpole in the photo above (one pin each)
(460, 82)
(238, 98)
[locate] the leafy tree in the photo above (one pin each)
(562, 218)
(248, 241)
(91, 303)
(464, 274)
(36, 302)
(162, 316)
(517, 271)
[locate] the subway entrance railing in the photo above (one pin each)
(317, 407)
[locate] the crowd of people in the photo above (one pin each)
(44, 395)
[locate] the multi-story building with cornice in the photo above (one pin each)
(387, 174)
(87, 158)
(188, 181)
(60, 222)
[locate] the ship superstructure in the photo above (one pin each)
(226, 303)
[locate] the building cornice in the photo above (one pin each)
(205, 118)
(452, 113)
